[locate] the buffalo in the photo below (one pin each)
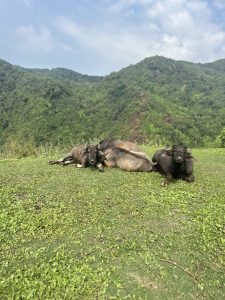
(107, 144)
(83, 156)
(125, 155)
(174, 163)
(126, 160)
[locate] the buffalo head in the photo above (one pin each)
(94, 155)
(179, 153)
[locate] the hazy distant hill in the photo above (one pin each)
(158, 100)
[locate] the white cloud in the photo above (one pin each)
(66, 48)
(70, 28)
(116, 44)
(190, 24)
(179, 29)
(121, 5)
(219, 4)
(35, 39)
(39, 40)
(139, 2)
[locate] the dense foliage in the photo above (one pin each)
(158, 100)
(221, 138)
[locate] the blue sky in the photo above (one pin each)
(101, 36)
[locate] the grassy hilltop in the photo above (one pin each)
(158, 100)
(70, 233)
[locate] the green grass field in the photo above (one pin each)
(69, 233)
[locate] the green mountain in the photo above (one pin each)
(158, 100)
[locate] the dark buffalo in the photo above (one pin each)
(174, 163)
(128, 160)
(83, 156)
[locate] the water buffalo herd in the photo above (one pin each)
(174, 163)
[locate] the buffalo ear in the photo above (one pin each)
(188, 153)
(169, 152)
(188, 150)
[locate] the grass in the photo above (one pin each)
(69, 233)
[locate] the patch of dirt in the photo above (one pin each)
(143, 281)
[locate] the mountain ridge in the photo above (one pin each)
(159, 100)
(218, 64)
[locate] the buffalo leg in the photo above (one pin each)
(67, 162)
(61, 160)
(80, 166)
(166, 180)
(190, 178)
(100, 167)
(56, 162)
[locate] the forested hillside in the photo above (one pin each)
(158, 100)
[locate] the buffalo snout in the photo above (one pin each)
(92, 162)
(179, 159)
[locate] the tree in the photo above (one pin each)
(221, 138)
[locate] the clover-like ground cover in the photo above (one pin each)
(69, 233)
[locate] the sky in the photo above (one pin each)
(102, 36)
